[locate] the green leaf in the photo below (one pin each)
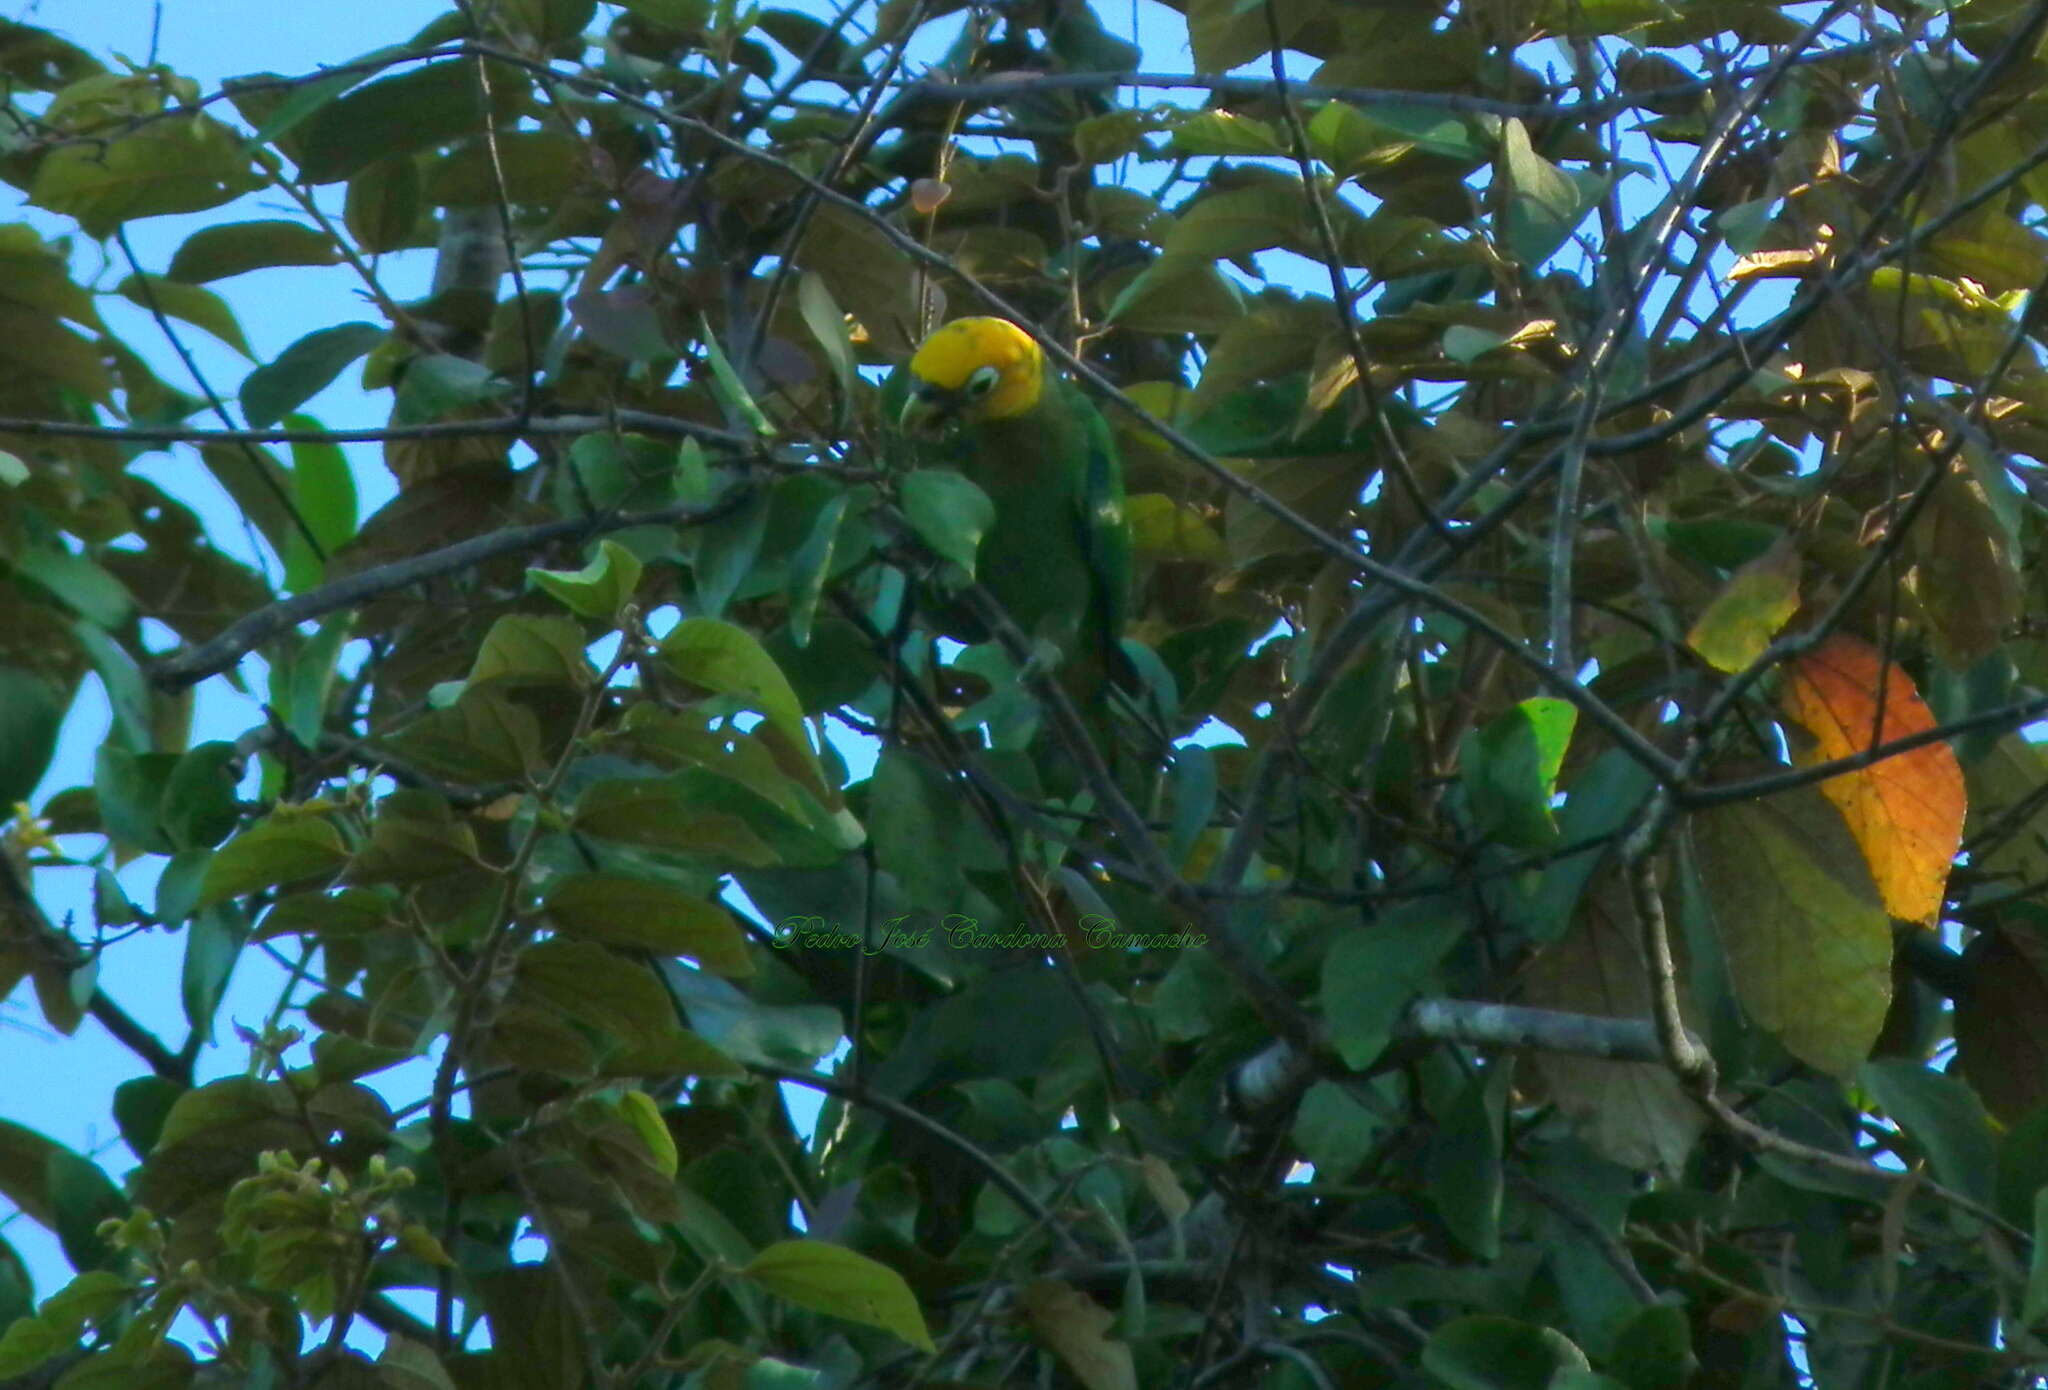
(233, 248)
(351, 912)
(111, 905)
(639, 1110)
(39, 350)
(40, 61)
(27, 1344)
(722, 659)
(915, 812)
(1758, 600)
(1653, 1350)
(140, 1108)
(438, 384)
(833, 1280)
(949, 513)
(303, 370)
(1510, 771)
(659, 813)
(186, 163)
(828, 325)
(87, 1300)
(25, 1159)
(77, 582)
(598, 590)
(1336, 1131)
(383, 204)
(523, 651)
(1603, 798)
(1485, 1352)
(812, 565)
(1224, 133)
(613, 910)
(258, 484)
(726, 384)
(1941, 1115)
(2035, 1309)
(1808, 946)
(82, 1196)
(299, 688)
(1467, 1183)
(428, 106)
(31, 712)
(1193, 777)
(611, 994)
(323, 488)
(1374, 970)
(722, 554)
(486, 736)
(540, 167)
(806, 35)
(416, 838)
(201, 308)
(212, 942)
(177, 887)
(1544, 204)
(276, 850)
(790, 1035)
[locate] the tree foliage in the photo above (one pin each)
(1584, 478)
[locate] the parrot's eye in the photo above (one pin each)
(981, 382)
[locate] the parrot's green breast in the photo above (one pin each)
(1058, 556)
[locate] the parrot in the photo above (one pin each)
(1058, 557)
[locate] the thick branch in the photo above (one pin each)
(1275, 1075)
(1007, 87)
(244, 636)
(640, 421)
(43, 937)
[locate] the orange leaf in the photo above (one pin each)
(1906, 811)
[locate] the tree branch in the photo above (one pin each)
(640, 421)
(1007, 87)
(246, 634)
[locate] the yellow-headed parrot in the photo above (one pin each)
(1058, 557)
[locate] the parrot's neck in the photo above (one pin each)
(1019, 450)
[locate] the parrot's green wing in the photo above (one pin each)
(1105, 535)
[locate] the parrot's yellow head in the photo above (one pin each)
(972, 370)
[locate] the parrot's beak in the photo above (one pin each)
(927, 412)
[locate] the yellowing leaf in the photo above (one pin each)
(600, 588)
(1906, 811)
(2009, 848)
(1162, 529)
(1963, 573)
(615, 910)
(1808, 946)
(1633, 1112)
(832, 1279)
(1796, 264)
(640, 1111)
(2001, 1023)
(1077, 1330)
(1758, 600)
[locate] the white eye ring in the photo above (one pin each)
(981, 382)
